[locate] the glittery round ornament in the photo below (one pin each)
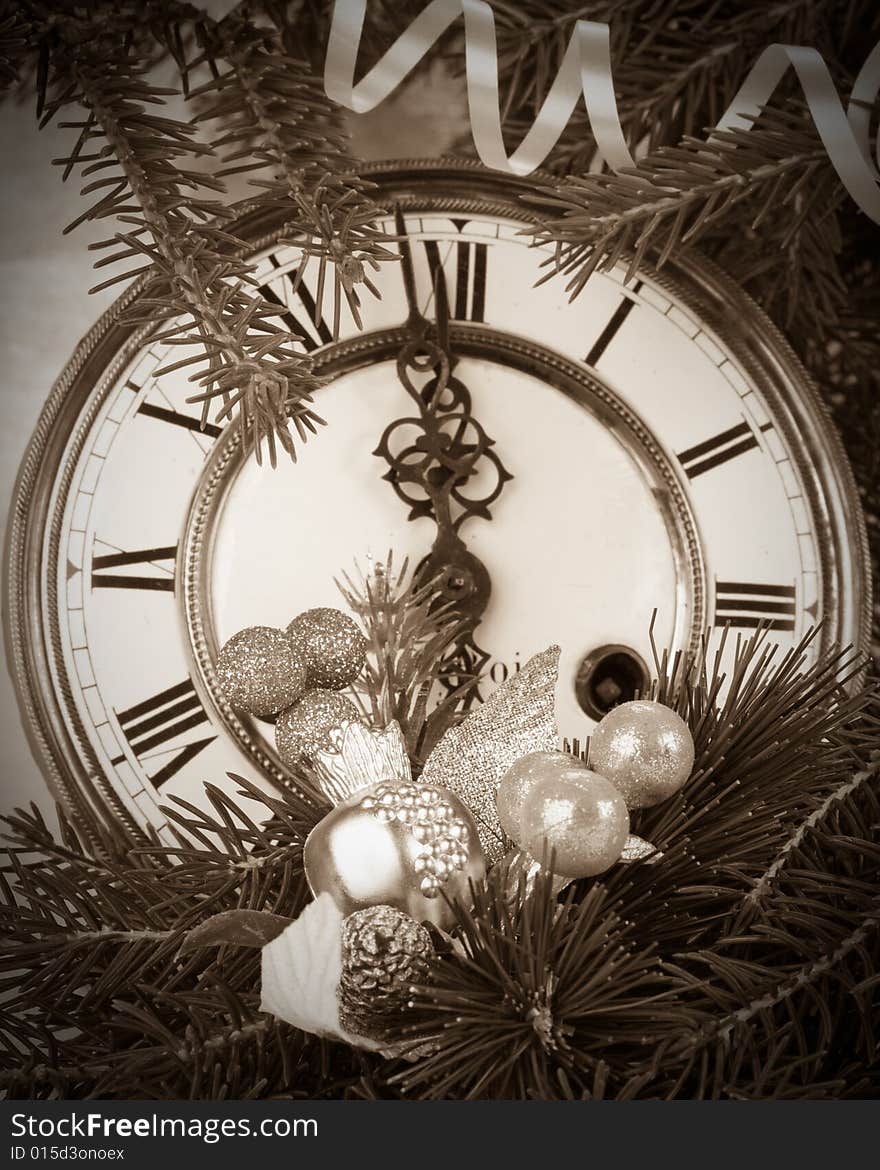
(332, 646)
(259, 671)
(307, 726)
(384, 952)
(581, 818)
(519, 780)
(645, 750)
(398, 844)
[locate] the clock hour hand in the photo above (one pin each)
(435, 457)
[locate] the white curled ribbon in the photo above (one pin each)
(586, 72)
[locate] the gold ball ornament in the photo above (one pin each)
(645, 749)
(580, 818)
(260, 671)
(397, 844)
(332, 646)
(519, 780)
(308, 726)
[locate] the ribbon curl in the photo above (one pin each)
(586, 72)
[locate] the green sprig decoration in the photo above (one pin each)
(409, 631)
(537, 999)
(150, 173)
(744, 959)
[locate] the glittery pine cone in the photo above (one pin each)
(384, 952)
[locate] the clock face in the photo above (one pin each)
(666, 452)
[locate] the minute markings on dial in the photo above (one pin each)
(321, 333)
(471, 268)
(176, 418)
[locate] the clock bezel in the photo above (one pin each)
(57, 739)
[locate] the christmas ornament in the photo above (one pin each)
(645, 750)
(470, 760)
(552, 801)
(384, 952)
(260, 671)
(580, 818)
(389, 841)
(344, 978)
(331, 645)
(519, 780)
(301, 968)
(309, 725)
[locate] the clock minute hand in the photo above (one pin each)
(463, 577)
(417, 323)
(432, 473)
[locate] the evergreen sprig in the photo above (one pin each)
(743, 963)
(408, 633)
(14, 44)
(746, 956)
(676, 194)
(677, 64)
(539, 999)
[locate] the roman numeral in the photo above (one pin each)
(153, 724)
(103, 578)
(605, 338)
(175, 418)
(468, 271)
(749, 606)
(320, 333)
(718, 450)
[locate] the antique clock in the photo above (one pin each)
(653, 445)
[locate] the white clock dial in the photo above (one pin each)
(664, 457)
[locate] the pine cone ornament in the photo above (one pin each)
(384, 952)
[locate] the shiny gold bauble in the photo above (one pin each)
(577, 823)
(519, 780)
(260, 671)
(645, 750)
(397, 844)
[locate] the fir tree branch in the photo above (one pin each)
(276, 117)
(677, 193)
(810, 824)
(193, 280)
(16, 48)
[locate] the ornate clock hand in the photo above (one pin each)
(417, 323)
(431, 472)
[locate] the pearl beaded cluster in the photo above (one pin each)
(433, 823)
